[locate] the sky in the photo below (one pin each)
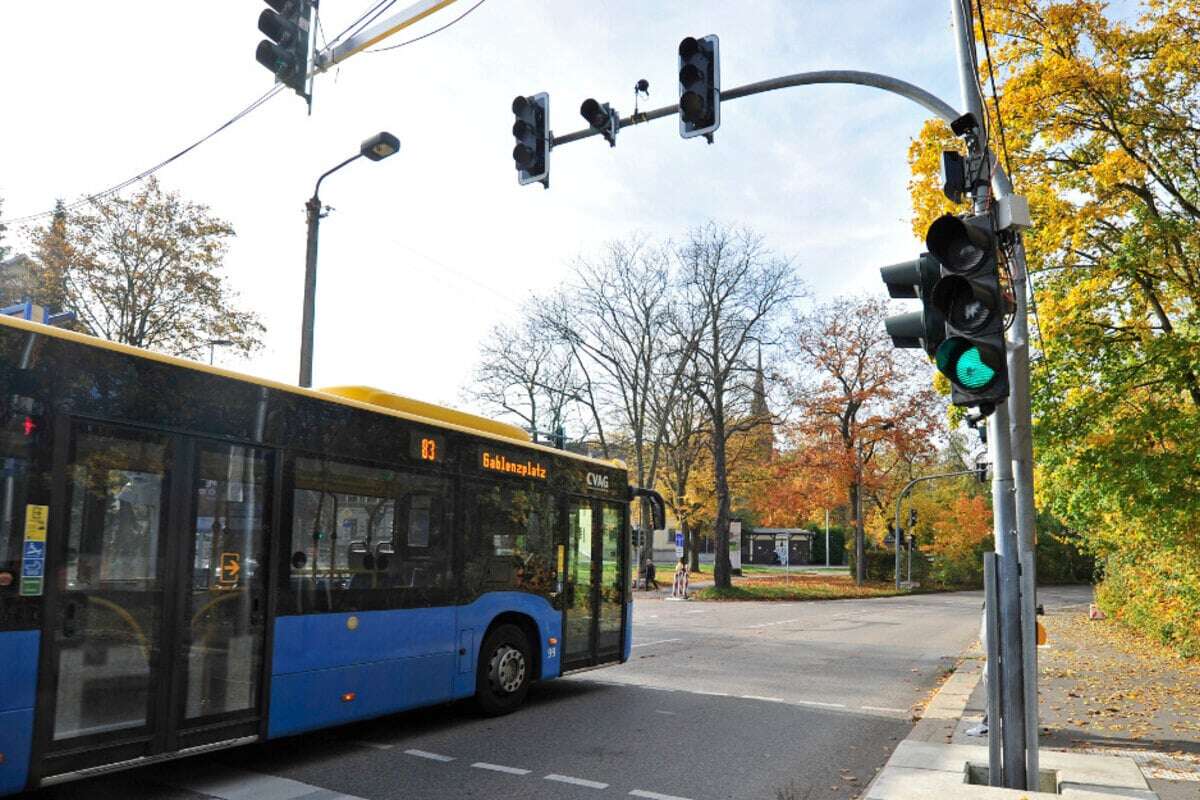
(426, 251)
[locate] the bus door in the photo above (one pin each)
(157, 588)
(595, 585)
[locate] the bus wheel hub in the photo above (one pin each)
(508, 669)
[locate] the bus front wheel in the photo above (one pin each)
(502, 679)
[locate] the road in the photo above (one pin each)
(781, 701)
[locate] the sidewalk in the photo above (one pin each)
(1119, 718)
(1104, 691)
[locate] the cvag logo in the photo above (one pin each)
(595, 481)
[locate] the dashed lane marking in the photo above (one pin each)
(760, 697)
(657, 641)
(655, 795)
(500, 768)
(819, 703)
(577, 781)
(885, 708)
(429, 755)
(665, 713)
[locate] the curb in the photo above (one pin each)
(928, 765)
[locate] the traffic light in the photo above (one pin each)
(915, 279)
(971, 302)
(532, 131)
(285, 50)
(603, 118)
(699, 87)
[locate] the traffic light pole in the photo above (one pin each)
(900, 498)
(838, 76)
(1017, 681)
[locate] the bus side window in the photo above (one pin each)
(366, 537)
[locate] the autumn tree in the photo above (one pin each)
(733, 294)
(145, 271)
(3, 230)
(1101, 115)
(52, 249)
(857, 400)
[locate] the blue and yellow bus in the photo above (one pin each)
(192, 559)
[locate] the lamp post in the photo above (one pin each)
(377, 148)
(213, 344)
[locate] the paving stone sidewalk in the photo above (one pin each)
(1106, 691)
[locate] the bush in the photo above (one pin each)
(837, 546)
(1157, 593)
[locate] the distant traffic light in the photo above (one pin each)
(915, 279)
(603, 118)
(969, 297)
(699, 87)
(532, 132)
(285, 50)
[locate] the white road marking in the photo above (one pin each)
(885, 708)
(500, 768)
(429, 755)
(655, 795)
(699, 611)
(667, 713)
(819, 703)
(375, 745)
(760, 697)
(658, 641)
(712, 694)
(577, 781)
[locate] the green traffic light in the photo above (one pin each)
(965, 364)
(970, 370)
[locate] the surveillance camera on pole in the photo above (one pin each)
(699, 87)
(531, 129)
(603, 118)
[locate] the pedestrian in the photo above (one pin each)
(648, 571)
(680, 587)
(982, 728)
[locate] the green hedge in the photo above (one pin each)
(837, 546)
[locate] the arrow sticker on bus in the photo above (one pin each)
(231, 568)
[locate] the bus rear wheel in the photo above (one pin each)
(503, 677)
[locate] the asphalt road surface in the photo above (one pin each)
(782, 701)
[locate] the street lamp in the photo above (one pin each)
(213, 344)
(377, 148)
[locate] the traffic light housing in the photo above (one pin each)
(531, 129)
(603, 118)
(285, 50)
(699, 87)
(915, 279)
(969, 298)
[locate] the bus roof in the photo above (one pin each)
(361, 397)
